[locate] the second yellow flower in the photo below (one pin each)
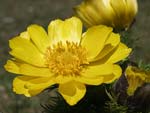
(115, 13)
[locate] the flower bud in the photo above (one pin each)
(115, 13)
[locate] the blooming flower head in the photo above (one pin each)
(66, 57)
(136, 78)
(116, 13)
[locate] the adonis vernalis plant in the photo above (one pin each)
(66, 57)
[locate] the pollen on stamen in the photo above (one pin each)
(66, 59)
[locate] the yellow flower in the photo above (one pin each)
(115, 13)
(136, 78)
(66, 57)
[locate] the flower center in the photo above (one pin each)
(66, 59)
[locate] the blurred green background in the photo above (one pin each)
(16, 15)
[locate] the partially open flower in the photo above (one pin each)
(66, 57)
(116, 13)
(136, 78)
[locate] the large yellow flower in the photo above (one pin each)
(136, 78)
(66, 57)
(116, 13)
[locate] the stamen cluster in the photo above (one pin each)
(66, 59)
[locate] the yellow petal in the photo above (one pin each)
(24, 50)
(110, 44)
(89, 81)
(97, 75)
(25, 35)
(97, 70)
(132, 8)
(95, 12)
(103, 11)
(80, 13)
(94, 40)
(12, 67)
(119, 7)
(72, 92)
(61, 79)
(106, 11)
(19, 86)
(113, 39)
(119, 4)
(117, 71)
(27, 69)
(68, 30)
(39, 37)
(120, 53)
(30, 86)
(88, 13)
(30, 70)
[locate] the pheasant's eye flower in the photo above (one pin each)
(136, 78)
(115, 13)
(66, 57)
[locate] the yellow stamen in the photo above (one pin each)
(66, 59)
